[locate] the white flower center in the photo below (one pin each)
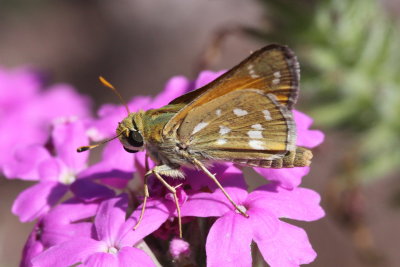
(112, 250)
(67, 177)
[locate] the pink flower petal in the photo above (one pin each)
(37, 200)
(70, 211)
(205, 205)
(212, 204)
(25, 161)
(88, 190)
(312, 139)
(56, 234)
(50, 169)
(128, 256)
(298, 204)
(156, 213)
(67, 137)
(206, 77)
(228, 242)
(290, 247)
(288, 178)
(110, 217)
(102, 259)
(61, 100)
(69, 253)
(227, 174)
(260, 218)
(175, 87)
(32, 248)
(305, 137)
(62, 222)
(302, 120)
(115, 169)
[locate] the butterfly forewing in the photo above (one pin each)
(273, 70)
(246, 124)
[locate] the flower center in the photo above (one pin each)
(112, 250)
(67, 177)
(242, 209)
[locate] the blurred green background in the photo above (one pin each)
(349, 53)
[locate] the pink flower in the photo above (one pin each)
(66, 221)
(56, 173)
(112, 241)
(280, 243)
(27, 111)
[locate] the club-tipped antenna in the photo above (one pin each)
(109, 85)
(86, 148)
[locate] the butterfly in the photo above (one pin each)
(244, 117)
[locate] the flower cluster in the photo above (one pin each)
(85, 213)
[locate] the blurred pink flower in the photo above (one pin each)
(281, 244)
(27, 111)
(56, 168)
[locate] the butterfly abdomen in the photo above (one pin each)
(301, 157)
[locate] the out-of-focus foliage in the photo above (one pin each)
(349, 50)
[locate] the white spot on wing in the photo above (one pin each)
(240, 112)
(276, 81)
(224, 130)
(221, 141)
(267, 115)
(218, 112)
(257, 126)
(255, 134)
(277, 74)
(256, 144)
(252, 72)
(199, 127)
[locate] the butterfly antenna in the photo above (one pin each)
(86, 148)
(109, 85)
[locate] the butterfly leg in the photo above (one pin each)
(209, 174)
(146, 196)
(159, 170)
(146, 193)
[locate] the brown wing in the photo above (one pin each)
(244, 124)
(273, 69)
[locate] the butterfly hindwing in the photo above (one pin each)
(246, 124)
(273, 69)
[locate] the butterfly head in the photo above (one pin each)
(130, 134)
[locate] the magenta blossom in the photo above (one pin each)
(64, 222)
(27, 111)
(111, 243)
(280, 243)
(56, 173)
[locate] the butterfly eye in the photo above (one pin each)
(135, 139)
(130, 151)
